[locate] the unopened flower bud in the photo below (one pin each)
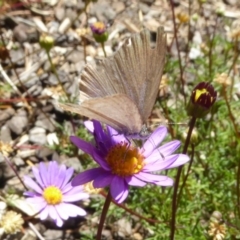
(195, 17)
(202, 99)
(216, 216)
(222, 79)
(99, 32)
(46, 42)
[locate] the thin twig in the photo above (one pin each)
(178, 49)
(56, 74)
(36, 231)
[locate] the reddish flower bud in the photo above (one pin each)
(202, 99)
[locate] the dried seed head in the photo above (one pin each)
(5, 148)
(88, 187)
(217, 230)
(222, 79)
(11, 222)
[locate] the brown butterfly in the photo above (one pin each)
(122, 90)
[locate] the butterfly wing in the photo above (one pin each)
(117, 111)
(135, 70)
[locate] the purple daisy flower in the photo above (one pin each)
(52, 192)
(123, 165)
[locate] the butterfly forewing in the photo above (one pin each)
(117, 111)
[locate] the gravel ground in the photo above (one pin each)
(29, 115)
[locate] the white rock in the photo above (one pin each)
(40, 25)
(26, 153)
(65, 25)
(52, 139)
(195, 53)
(38, 135)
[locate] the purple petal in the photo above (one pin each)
(86, 176)
(166, 182)
(66, 175)
(43, 172)
(154, 157)
(169, 148)
(99, 134)
(89, 125)
(163, 151)
(101, 161)
(133, 181)
(62, 211)
(161, 164)
(115, 136)
(58, 220)
(103, 180)
(124, 195)
(119, 189)
(38, 205)
(52, 212)
(37, 200)
(44, 214)
(72, 210)
(69, 189)
(152, 178)
(75, 197)
(83, 145)
(154, 140)
(30, 194)
(37, 176)
(60, 178)
(53, 171)
(33, 185)
(182, 159)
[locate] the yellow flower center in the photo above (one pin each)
(52, 195)
(124, 160)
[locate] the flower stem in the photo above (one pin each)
(103, 215)
(185, 178)
(56, 74)
(103, 48)
(175, 191)
(15, 171)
